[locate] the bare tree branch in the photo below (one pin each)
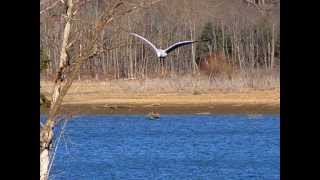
(263, 8)
(50, 7)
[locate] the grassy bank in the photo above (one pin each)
(173, 95)
(198, 84)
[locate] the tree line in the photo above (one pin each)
(247, 38)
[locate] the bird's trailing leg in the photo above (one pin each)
(162, 66)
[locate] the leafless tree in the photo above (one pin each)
(69, 65)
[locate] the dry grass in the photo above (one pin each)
(242, 89)
(175, 84)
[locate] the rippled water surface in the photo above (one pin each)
(174, 147)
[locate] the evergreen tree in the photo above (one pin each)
(206, 34)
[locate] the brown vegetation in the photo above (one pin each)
(215, 65)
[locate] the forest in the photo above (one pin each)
(244, 39)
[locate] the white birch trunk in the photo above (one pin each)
(194, 65)
(46, 134)
(272, 47)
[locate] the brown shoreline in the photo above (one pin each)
(222, 108)
(87, 101)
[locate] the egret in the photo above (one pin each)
(162, 53)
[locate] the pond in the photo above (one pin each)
(173, 147)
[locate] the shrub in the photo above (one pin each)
(216, 64)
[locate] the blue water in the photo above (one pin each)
(174, 147)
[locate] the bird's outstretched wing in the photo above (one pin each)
(178, 44)
(145, 40)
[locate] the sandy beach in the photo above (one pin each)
(95, 100)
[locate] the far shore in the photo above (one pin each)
(201, 109)
(244, 102)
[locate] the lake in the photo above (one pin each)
(174, 147)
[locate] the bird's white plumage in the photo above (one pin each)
(145, 40)
(160, 52)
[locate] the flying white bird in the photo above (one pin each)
(162, 53)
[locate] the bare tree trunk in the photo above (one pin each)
(135, 63)
(130, 59)
(194, 65)
(252, 50)
(46, 133)
(103, 60)
(272, 48)
(80, 54)
(117, 64)
(223, 41)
